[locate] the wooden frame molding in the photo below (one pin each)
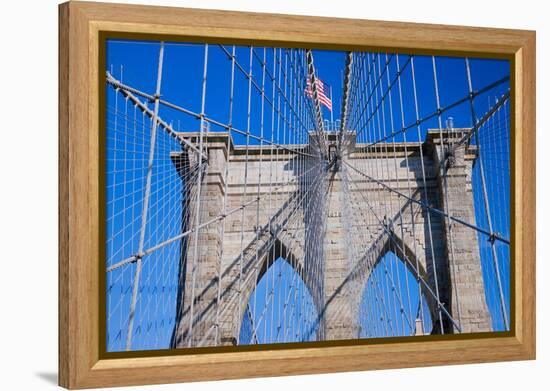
(80, 27)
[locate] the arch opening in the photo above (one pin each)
(393, 303)
(279, 309)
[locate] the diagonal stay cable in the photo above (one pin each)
(440, 111)
(274, 231)
(128, 92)
(389, 275)
(259, 88)
(500, 102)
(492, 236)
(440, 305)
(375, 110)
(133, 258)
(207, 119)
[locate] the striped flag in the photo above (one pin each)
(321, 87)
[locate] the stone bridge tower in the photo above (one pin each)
(240, 247)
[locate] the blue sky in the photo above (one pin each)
(135, 63)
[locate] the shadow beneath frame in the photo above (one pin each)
(48, 377)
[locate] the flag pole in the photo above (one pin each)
(331, 116)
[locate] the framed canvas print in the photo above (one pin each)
(256, 195)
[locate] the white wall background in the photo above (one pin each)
(28, 193)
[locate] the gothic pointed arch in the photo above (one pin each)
(279, 248)
(410, 266)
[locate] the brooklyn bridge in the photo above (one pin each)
(239, 211)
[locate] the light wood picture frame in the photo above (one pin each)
(83, 28)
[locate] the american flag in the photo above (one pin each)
(321, 87)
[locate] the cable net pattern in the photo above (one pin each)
(237, 214)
